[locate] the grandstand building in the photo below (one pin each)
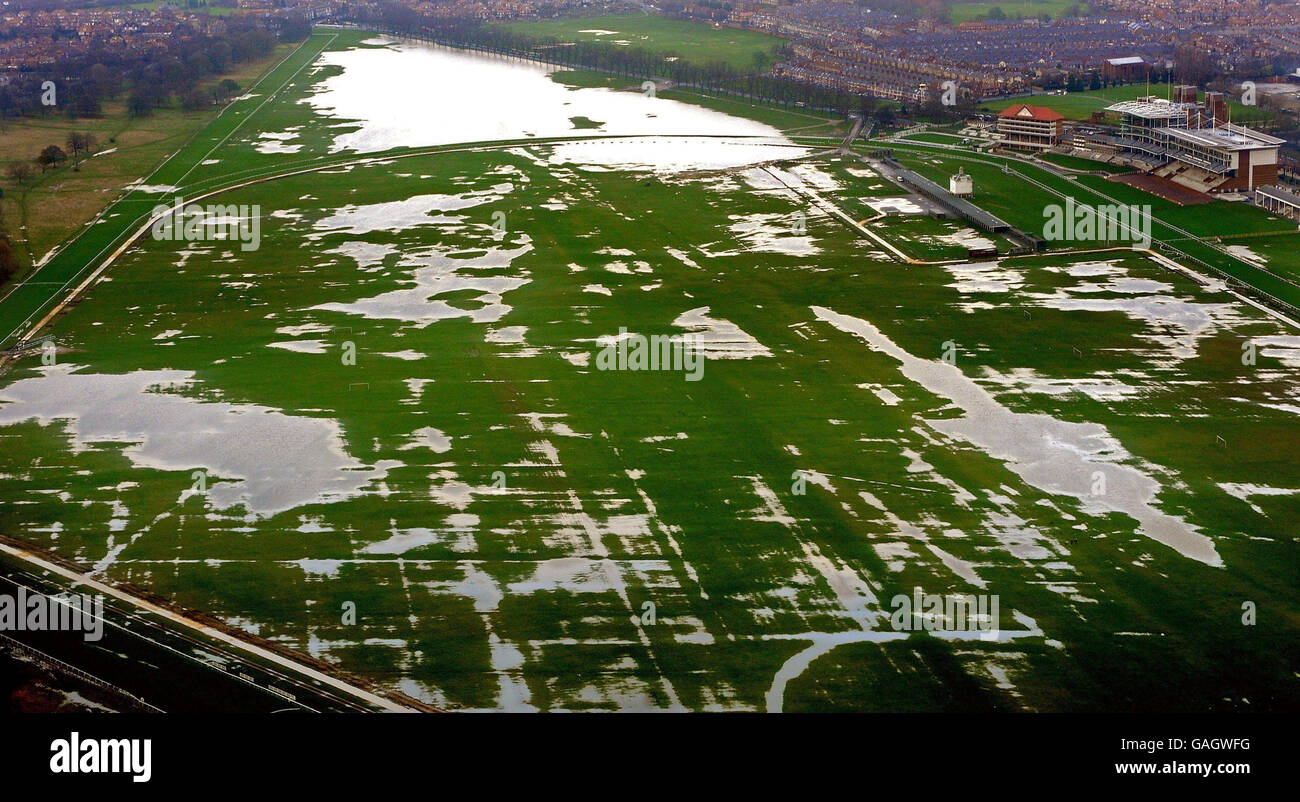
(1279, 201)
(1190, 143)
(1030, 127)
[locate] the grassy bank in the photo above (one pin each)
(61, 200)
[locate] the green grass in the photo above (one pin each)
(928, 239)
(619, 488)
(1204, 220)
(27, 302)
(696, 42)
(210, 8)
(58, 202)
(1281, 253)
(936, 137)
(1002, 195)
(967, 12)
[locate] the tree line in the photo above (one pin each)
(173, 73)
(153, 77)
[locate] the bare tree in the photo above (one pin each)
(21, 172)
(80, 143)
(75, 140)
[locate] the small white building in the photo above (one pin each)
(961, 184)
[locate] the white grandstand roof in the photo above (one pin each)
(1226, 137)
(1152, 108)
(1125, 60)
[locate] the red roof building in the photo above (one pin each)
(1030, 127)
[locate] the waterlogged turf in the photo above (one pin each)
(395, 406)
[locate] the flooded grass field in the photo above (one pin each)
(396, 404)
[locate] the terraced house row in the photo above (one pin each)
(852, 47)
